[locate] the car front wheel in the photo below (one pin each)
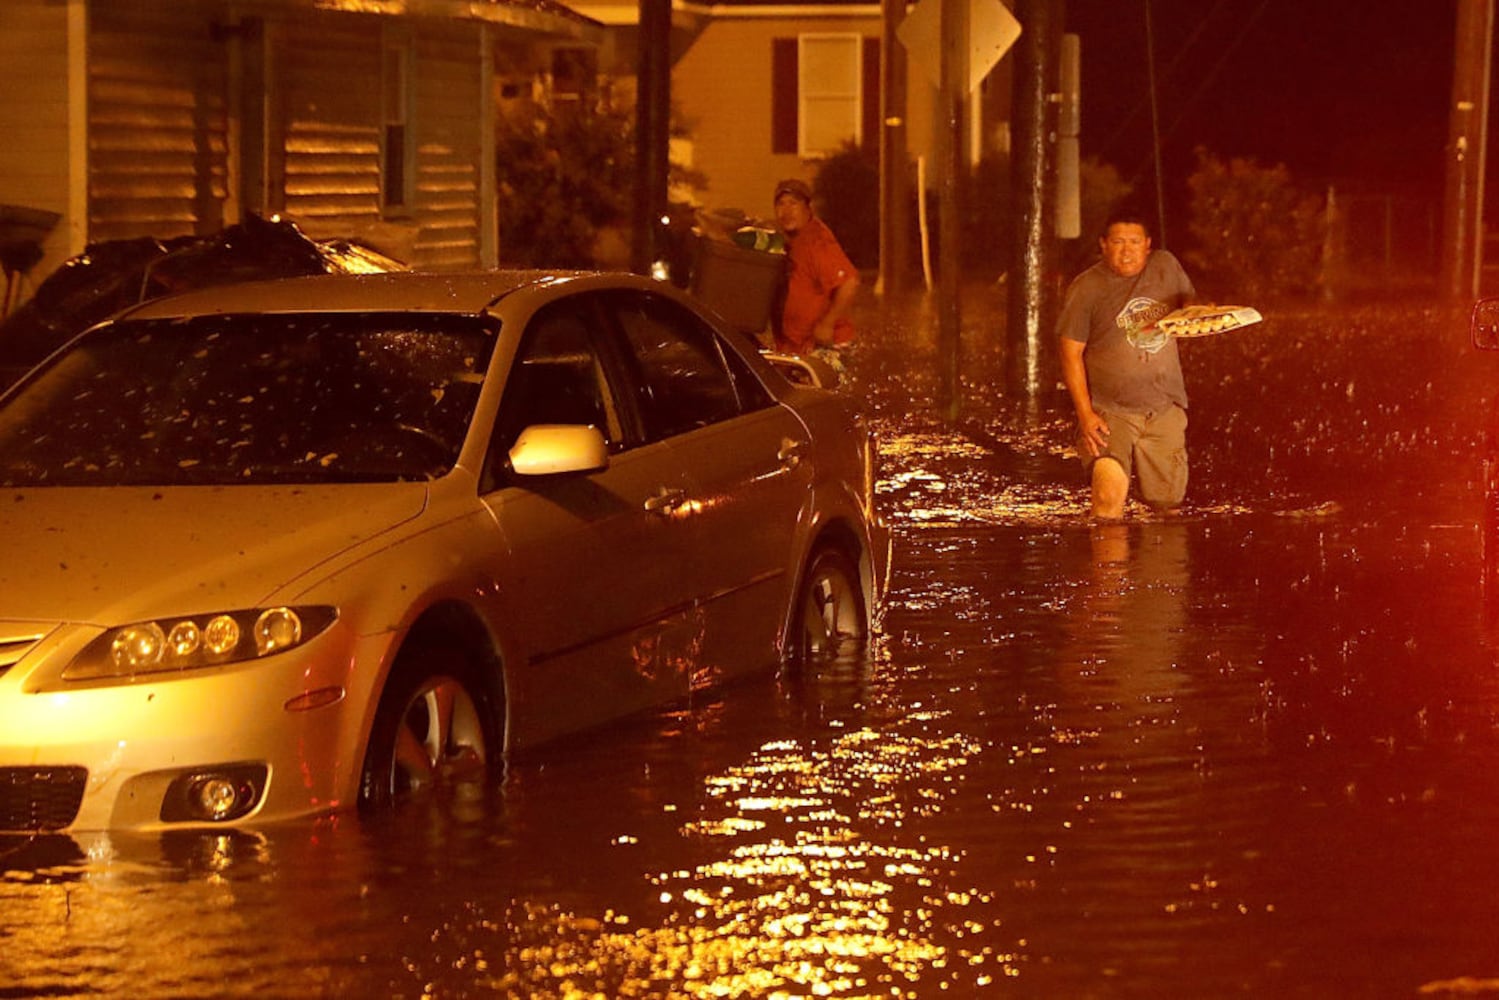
(430, 732)
(830, 609)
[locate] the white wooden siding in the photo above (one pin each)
(158, 123)
(330, 89)
(449, 144)
(328, 81)
(156, 82)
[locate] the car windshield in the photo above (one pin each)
(221, 400)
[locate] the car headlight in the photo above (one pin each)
(197, 641)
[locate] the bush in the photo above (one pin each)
(1253, 231)
(565, 174)
(847, 185)
(561, 175)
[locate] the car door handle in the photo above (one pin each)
(790, 454)
(666, 500)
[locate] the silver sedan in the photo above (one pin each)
(285, 548)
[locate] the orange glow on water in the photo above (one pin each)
(813, 886)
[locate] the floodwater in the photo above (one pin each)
(1249, 751)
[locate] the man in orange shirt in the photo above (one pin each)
(820, 279)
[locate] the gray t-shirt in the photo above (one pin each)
(1128, 371)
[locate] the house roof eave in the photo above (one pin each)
(622, 12)
(726, 11)
(545, 16)
(542, 17)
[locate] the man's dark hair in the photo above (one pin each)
(1126, 215)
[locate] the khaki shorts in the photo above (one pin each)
(1152, 447)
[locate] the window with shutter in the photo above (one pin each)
(829, 78)
(783, 95)
(824, 92)
(869, 133)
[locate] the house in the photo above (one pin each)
(366, 118)
(766, 90)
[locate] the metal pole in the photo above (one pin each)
(954, 80)
(652, 120)
(895, 186)
(1033, 184)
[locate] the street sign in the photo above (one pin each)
(992, 29)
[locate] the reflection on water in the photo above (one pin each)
(804, 884)
(1159, 758)
(1249, 751)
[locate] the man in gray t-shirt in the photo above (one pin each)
(1123, 374)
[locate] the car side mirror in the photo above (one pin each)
(552, 449)
(1483, 327)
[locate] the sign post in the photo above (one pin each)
(958, 42)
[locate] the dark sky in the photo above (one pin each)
(1354, 91)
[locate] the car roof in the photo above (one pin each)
(464, 293)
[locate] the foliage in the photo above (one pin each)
(566, 173)
(562, 175)
(847, 186)
(1254, 231)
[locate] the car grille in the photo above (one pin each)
(40, 798)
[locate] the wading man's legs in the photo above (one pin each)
(1110, 488)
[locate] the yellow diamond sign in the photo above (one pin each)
(992, 29)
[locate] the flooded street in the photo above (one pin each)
(1252, 750)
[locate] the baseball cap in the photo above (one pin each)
(794, 186)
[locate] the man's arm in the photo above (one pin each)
(842, 300)
(1093, 433)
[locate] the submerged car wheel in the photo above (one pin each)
(830, 607)
(431, 732)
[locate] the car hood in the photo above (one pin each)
(109, 556)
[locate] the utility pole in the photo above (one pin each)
(953, 88)
(1033, 184)
(652, 137)
(1462, 245)
(895, 187)
(1155, 131)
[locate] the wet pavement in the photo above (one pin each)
(1252, 750)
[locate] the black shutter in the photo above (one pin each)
(869, 127)
(784, 95)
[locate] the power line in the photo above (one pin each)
(1197, 92)
(1181, 53)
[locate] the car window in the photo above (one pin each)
(250, 399)
(557, 378)
(752, 392)
(684, 381)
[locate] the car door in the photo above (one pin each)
(592, 587)
(747, 458)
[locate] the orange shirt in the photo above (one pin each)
(816, 266)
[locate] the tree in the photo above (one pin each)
(562, 176)
(848, 190)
